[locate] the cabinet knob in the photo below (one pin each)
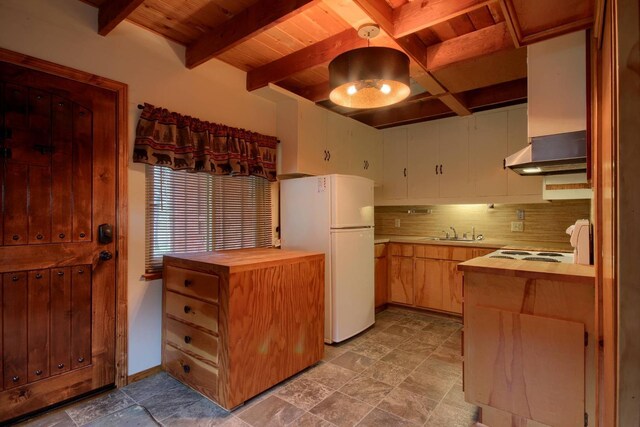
(15, 378)
(38, 276)
(187, 283)
(80, 359)
(187, 309)
(187, 339)
(186, 369)
(38, 372)
(60, 365)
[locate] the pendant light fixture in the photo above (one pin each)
(369, 77)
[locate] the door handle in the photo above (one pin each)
(105, 256)
(405, 172)
(329, 158)
(440, 169)
(436, 169)
(325, 155)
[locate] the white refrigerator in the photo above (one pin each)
(334, 214)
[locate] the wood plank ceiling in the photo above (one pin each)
(466, 55)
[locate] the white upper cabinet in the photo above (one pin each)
(489, 146)
(457, 160)
(519, 185)
(423, 161)
(556, 80)
(314, 141)
(453, 150)
(394, 179)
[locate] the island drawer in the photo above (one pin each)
(191, 371)
(190, 339)
(399, 249)
(192, 283)
(192, 311)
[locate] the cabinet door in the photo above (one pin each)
(517, 140)
(312, 139)
(488, 141)
(381, 281)
(428, 283)
(339, 144)
(423, 161)
(395, 164)
(401, 280)
(453, 151)
(451, 287)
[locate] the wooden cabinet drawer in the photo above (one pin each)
(190, 339)
(193, 283)
(192, 311)
(401, 250)
(449, 253)
(191, 371)
(380, 250)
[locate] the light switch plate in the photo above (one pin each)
(397, 223)
(520, 214)
(517, 226)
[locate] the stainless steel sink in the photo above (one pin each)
(449, 239)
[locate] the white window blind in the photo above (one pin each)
(193, 212)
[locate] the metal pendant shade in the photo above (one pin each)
(369, 77)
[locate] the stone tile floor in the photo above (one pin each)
(404, 371)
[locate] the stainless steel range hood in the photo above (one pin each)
(551, 154)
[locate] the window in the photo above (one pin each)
(193, 212)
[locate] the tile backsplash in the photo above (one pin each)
(543, 222)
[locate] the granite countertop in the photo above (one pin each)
(486, 243)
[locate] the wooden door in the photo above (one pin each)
(428, 283)
(58, 146)
(401, 280)
(451, 287)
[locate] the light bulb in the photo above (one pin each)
(531, 170)
(385, 88)
(351, 90)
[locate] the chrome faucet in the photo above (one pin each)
(455, 233)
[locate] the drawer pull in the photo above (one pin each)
(187, 339)
(187, 283)
(38, 372)
(60, 365)
(186, 369)
(80, 359)
(187, 309)
(15, 379)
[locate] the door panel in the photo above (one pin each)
(38, 325)
(59, 182)
(428, 283)
(14, 335)
(401, 280)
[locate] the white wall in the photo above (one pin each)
(65, 32)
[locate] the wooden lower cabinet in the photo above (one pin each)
(238, 322)
(426, 276)
(401, 280)
(530, 348)
(381, 282)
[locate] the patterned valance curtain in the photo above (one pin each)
(164, 138)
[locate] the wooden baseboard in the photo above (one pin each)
(144, 374)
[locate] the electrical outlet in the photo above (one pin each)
(520, 214)
(397, 223)
(517, 226)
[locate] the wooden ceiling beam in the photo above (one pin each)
(404, 114)
(512, 22)
(418, 15)
(508, 92)
(113, 12)
(303, 59)
(255, 19)
(469, 46)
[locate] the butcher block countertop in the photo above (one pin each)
(237, 260)
(487, 243)
(575, 273)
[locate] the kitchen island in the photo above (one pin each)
(529, 342)
(237, 322)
